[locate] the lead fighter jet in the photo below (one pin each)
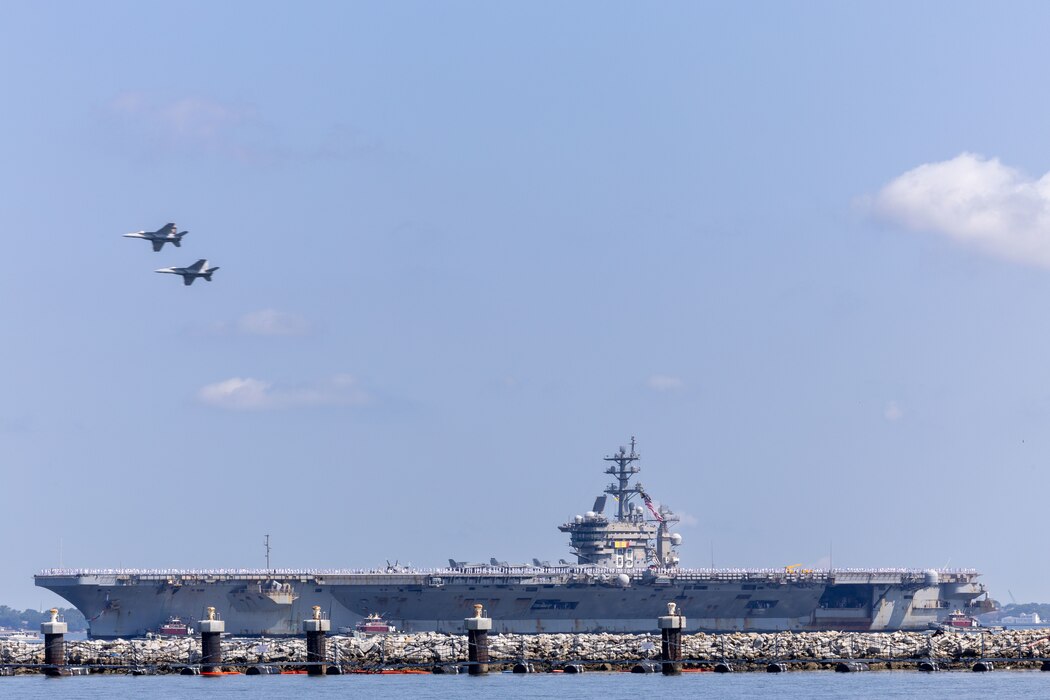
(167, 234)
(197, 269)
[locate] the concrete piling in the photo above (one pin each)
(54, 633)
(315, 629)
(211, 642)
(478, 641)
(671, 626)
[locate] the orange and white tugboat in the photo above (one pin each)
(175, 627)
(373, 624)
(958, 621)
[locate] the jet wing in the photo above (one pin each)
(166, 229)
(157, 245)
(196, 267)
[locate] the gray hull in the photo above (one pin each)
(523, 600)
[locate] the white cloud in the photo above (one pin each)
(249, 394)
(192, 117)
(663, 382)
(272, 322)
(188, 123)
(893, 412)
(976, 201)
(687, 519)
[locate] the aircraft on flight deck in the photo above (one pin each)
(197, 269)
(166, 234)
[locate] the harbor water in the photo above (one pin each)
(587, 686)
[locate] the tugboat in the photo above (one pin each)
(175, 627)
(373, 624)
(958, 621)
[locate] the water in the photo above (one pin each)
(588, 686)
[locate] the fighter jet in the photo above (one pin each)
(197, 269)
(167, 234)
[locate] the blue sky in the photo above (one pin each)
(800, 251)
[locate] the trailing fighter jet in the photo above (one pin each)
(197, 269)
(167, 234)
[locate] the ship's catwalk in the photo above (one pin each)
(625, 574)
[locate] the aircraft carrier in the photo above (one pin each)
(625, 573)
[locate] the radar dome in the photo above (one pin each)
(676, 539)
(624, 580)
(932, 577)
(589, 514)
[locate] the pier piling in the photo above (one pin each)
(211, 643)
(54, 645)
(315, 629)
(478, 641)
(671, 626)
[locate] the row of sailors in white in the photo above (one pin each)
(487, 568)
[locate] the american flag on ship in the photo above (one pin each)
(649, 505)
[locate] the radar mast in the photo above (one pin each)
(623, 468)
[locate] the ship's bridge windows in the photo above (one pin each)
(743, 596)
(761, 604)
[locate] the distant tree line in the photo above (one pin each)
(1014, 609)
(31, 619)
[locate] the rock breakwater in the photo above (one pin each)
(428, 649)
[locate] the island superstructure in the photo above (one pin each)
(626, 571)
